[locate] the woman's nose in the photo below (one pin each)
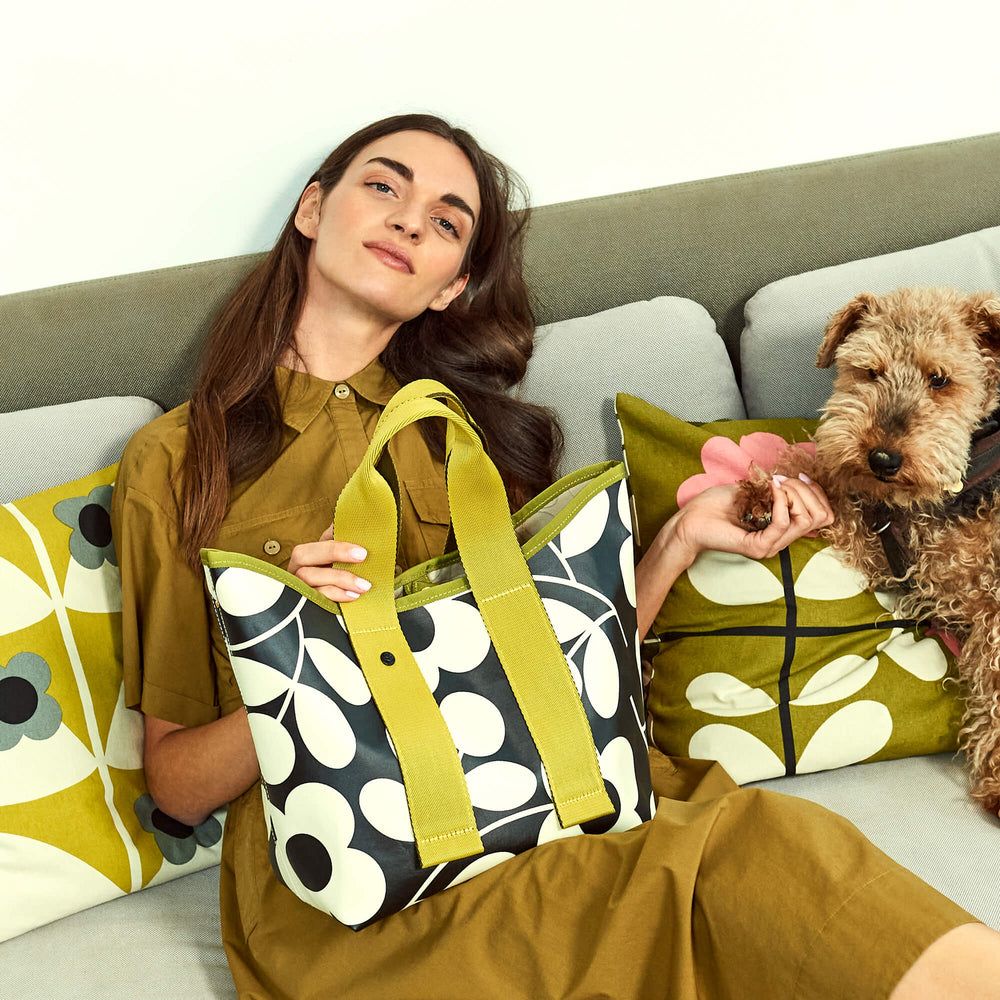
(407, 223)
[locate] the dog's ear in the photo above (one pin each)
(984, 318)
(844, 321)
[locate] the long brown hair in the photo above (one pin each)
(479, 347)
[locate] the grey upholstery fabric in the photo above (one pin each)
(50, 445)
(666, 351)
(785, 320)
(162, 942)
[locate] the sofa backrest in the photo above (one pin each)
(715, 241)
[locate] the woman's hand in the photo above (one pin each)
(312, 563)
(709, 521)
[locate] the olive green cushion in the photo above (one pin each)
(77, 826)
(779, 666)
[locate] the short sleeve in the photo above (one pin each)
(166, 631)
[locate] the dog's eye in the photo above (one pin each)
(938, 381)
(873, 373)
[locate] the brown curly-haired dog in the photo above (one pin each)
(907, 454)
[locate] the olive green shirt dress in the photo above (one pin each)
(726, 892)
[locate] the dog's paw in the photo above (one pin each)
(753, 504)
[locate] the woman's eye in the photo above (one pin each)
(380, 186)
(447, 226)
(938, 381)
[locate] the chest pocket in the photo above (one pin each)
(425, 530)
(272, 537)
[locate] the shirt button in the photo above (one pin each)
(272, 546)
(342, 390)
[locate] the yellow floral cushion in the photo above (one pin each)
(779, 666)
(77, 826)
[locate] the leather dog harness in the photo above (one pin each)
(890, 523)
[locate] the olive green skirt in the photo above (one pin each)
(725, 893)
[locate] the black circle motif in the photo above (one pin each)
(18, 700)
(95, 525)
(310, 861)
(387, 658)
(169, 825)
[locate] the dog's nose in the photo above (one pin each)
(884, 462)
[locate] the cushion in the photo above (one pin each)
(77, 825)
(779, 666)
(75, 439)
(785, 320)
(579, 364)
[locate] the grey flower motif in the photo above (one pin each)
(25, 708)
(176, 840)
(91, 543)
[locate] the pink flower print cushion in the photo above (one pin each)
(725, 462)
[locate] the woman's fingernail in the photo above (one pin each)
(804, 477)
(349, 595)
(359, 553)
(779, 479)
(363, 585)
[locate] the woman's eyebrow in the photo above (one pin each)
(407, 174)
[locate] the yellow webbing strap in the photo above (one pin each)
(437, 794)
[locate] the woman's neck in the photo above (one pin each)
(336, 344)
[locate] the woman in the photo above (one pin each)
(402, 260)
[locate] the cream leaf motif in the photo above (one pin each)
(43, 883)
(733, 580)
(24, 604)
(717, 693)
(850, 735)
(743, 755)
(98, 591)
(838, 679)
(586, 529)
(34, 769)
(825, 577)
(923, 658)
(125, 737)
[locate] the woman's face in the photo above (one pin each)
(390, 237)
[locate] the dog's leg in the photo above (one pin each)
(979, 669)
(754, 497)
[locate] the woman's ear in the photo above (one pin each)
(307, 214)
(449, 293)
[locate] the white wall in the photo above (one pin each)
(135, 136)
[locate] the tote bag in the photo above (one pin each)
(474, 707)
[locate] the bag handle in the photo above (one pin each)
(500, 580)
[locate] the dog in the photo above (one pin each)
(908, 451)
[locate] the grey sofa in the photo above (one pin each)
(717, 242)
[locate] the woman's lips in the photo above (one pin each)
(391, 255)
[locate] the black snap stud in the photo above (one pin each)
(388, 659)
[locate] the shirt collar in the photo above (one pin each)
(303, 395)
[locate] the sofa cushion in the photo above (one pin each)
(54, 444)
(784, 321)
(77, 825)
(780, 666)
(654, 347)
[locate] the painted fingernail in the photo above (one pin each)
(349, 595)
(779, 479)
(359, 553)
(363, 585)
(804, 477)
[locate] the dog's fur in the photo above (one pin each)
(917, 371)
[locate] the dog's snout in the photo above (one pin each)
(884, 462)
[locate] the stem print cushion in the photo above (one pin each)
(77, 826)
(778, 666)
